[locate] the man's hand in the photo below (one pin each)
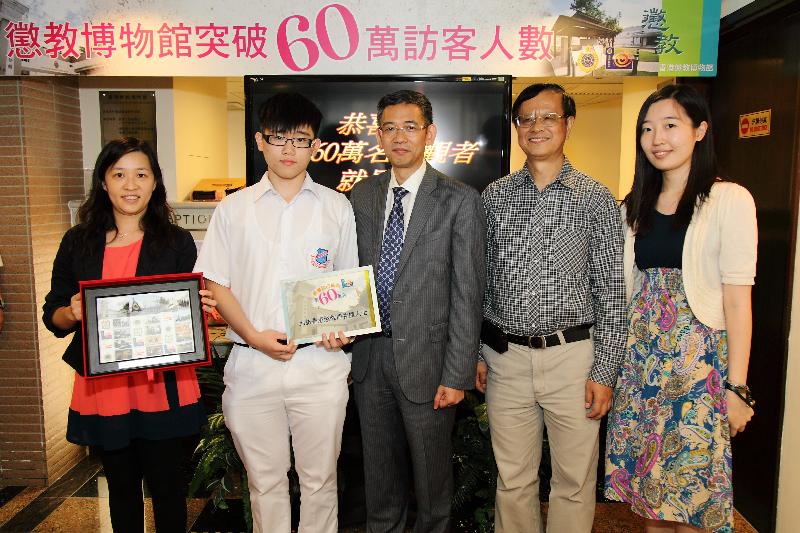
(739, 413)
(480, 376)
(267, 342)
(334, 341)
(209, 303)
(447, 397)
(598, 398)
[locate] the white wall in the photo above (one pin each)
(237, 145)
(201, 131)
(789, 473)
(89, 91)
(729, 6)
(635, 91)
(192, 127)
(591, 147)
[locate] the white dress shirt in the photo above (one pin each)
(256, 239)
(412, 186)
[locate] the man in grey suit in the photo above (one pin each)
(425, 235)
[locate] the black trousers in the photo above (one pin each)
(394, 430)
(161, 463)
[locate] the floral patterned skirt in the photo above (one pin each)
(668, 440)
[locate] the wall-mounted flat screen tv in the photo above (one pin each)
(471, 113)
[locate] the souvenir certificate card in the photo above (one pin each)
(143, 323)
(344, 300)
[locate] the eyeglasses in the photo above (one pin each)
(280, 140)
(410, 128)
(548, 120)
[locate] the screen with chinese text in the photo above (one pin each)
(471, 113)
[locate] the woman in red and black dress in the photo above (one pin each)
(140, 427)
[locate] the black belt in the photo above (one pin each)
(573, 334)
(243, 345)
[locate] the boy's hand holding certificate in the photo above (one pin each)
(331, 302)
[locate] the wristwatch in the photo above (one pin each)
(742, 391)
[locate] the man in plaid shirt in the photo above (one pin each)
(555, 321)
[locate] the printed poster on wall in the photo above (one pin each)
(518, 37)
(128, 114)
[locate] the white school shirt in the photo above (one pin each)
(412, 186)
(256, 239)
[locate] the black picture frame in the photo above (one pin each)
(143, 324)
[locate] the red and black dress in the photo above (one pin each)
(110, 411)
(140, 427)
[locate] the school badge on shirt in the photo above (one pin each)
(319, 259)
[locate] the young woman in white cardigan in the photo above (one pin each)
(690, 263)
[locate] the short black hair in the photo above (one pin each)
(532, 91)
(407, 97)
(285, 112)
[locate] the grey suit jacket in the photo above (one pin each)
(438, 292)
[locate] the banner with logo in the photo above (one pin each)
(207, 37)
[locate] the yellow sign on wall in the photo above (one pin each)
(755, 124)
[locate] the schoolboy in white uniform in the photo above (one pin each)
(282, 227)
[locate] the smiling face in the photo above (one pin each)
(286, 162)
(404, 150)
(542, 143)
(668, 137)
(130, 183)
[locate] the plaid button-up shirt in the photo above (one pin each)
(554, 260)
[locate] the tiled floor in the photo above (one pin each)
(78, 503)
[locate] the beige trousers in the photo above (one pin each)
(526, 388)
(264, 402)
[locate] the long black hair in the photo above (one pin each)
(647, 180)
(96, 214)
